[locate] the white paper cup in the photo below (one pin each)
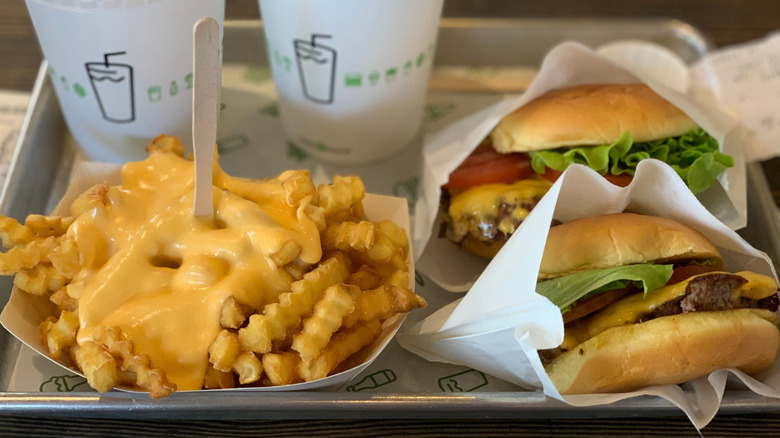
(122, 70)
(351, 75)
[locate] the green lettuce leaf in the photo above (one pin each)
(564, 291)
(694, 156)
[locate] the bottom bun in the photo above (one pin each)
(480, 248)
(668, 350)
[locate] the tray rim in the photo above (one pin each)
(385, 405)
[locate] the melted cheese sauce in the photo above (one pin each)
(161, 275)
(630, 309)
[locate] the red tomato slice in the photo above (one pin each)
(621, 180)
(485, 166)
(685, 272)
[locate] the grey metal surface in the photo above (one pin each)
(44, 159)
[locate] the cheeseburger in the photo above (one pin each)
(645, 301)
(609, 128)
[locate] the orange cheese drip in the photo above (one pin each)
(161, 275)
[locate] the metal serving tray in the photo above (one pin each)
(42, 166)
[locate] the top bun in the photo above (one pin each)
(590, 115)
(607, 241)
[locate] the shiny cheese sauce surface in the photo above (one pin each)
(161, 275)
(629, 310)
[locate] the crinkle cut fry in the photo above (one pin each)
(342, 345)
(382, 303)
(147, 377)
(277, 318)
(337, 302)
(12, 233)
(97, 364)
(45, 226)
(40, 279)
(166, 144)
(338, 198)
(66, 257)
(27, 256)
(282, 368)
(95, 196)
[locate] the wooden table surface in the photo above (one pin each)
(725, 21)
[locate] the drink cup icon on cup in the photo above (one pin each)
(317, 68)
(113, 87)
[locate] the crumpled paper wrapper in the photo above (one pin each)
(566, 65)
(500, 323)
(24, 312)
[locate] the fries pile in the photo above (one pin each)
(288, 308)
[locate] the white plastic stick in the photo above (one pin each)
(206, 70)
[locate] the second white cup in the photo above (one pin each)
(352, 75)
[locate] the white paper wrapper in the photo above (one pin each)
(24, 312)
(501, 322)
(566, 65)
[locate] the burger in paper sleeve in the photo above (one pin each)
(609, 128)
(645, 301)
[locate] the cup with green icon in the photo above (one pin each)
(351, 75)
(122, 71)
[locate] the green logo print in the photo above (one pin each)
(407, 68)
(353, 80)
(375, 380)
(436, 111)
(373, 77)
(390, 74)
(420, 59)
(64, 83)
(62, 384)
(79, 89)
(232, 143)
(154, 93)
(257, 73)
(174, 88)
(418, 278)
(465, 381)
(272, 109)
(52, 72)
(296, 153)
(188, 81)
(407, 188)
(287, 63)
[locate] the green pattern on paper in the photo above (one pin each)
(374, 380)
(154, 93)
(188, 81)
(287, 63)
(353, 79)
(436, 111)
(174, 88)
(296, 153)
(407, 188)
(257, 73)
(418, 278)
(272, 109)
(465, 381)
(64, 83)
(373, 77)
(390, 74)
(65, 383)
(420, 59)
(407, 67)
(79, 89)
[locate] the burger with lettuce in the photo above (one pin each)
(609, 128)
(645, 301)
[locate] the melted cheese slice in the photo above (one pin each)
(629, 310)
(161, 275)
(481, 203)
